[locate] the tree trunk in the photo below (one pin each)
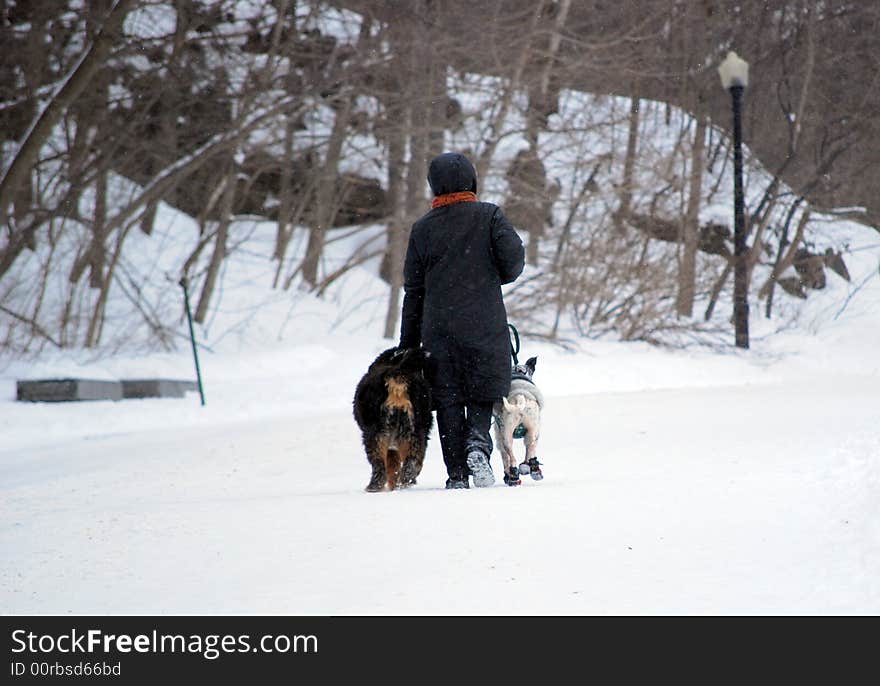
(96, 324)
(687, 270)
(415, 186)
(285, 207)
(396, 198)
(629, 162)
(421, 123)
(717, 288)
(168, 106)
(395, 254)
(324, 212)
(536, 118)
(98, 250)
(785, 257)
(219, 253)
(326, 197)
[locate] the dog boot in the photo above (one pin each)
(478, 463)
(533, 467)
(511, 477)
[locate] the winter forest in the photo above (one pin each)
(270, 156)
(601, 128)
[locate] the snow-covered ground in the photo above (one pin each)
(694, 481)
(677, 482)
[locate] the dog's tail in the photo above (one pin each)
(516, 406)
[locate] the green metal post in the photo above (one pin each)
(192, 338)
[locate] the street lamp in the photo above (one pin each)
(734, 74)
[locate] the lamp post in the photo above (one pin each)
(734, 74)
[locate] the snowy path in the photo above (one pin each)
(754, 499)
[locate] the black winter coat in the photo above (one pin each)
(458, 257)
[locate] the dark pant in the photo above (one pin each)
(464, 428)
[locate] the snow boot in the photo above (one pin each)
(456, 483)
(481, 470)
(511, 477)
(532, 467)
(458, 478)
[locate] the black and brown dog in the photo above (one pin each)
(392, 407)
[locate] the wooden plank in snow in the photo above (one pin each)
(65, 390)
(157, 388)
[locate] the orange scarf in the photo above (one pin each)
(452, 198)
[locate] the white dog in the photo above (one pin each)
(519, 416)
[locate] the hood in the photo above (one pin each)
(451, 172)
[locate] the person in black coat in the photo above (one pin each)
(459, 255)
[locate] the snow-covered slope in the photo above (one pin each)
(678, 482)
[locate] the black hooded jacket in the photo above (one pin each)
(458, 257)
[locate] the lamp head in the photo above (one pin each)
(734, 71)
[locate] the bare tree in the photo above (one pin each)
(65, 93)
(690, 239)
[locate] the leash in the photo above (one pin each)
(520, 431)
(514, 351)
